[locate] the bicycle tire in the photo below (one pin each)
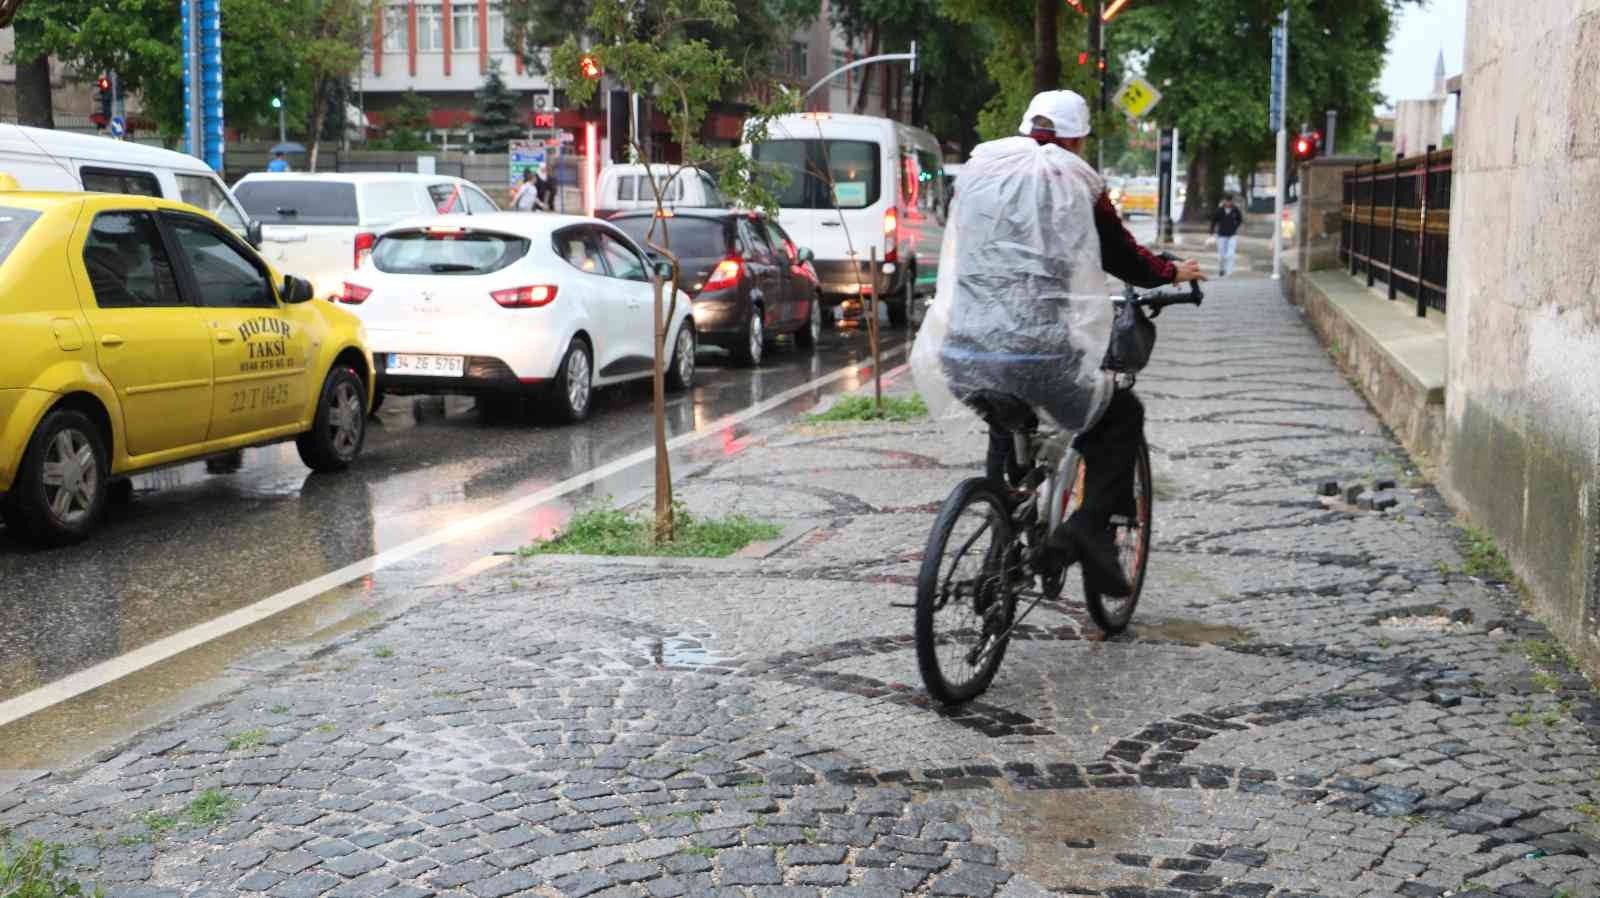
(1133, 542)
(991, 585)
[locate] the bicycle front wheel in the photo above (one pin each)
(965, 599)
(1112, 613)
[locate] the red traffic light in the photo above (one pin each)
(104, 83)
(1083, 59)
(589, 67)
(1305, 147)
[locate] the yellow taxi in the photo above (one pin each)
(1137, 195)
(141, 332)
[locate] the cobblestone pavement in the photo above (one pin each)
(1312, 700)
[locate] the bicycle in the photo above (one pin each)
(1011, 525)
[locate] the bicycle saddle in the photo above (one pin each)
(1003, 410)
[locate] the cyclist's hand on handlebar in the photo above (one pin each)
(1188, 270)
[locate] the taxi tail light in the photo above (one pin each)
(354, 294)
(364, 242)
(525, 297)
(726, 275)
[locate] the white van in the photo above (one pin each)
(321, 226)
(884, 190)
(623, 187)
(41, 159)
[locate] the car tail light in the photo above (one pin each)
(727, 274)
(364, 242)
(525, 297)
(354, 294)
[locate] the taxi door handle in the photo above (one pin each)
(110, 340)
(224, 336)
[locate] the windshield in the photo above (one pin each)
(690, 237)
(851, 166)
(279, 201)
(13, 224)
(204, 192)
(446, 252)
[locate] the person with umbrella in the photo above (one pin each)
(279, 163)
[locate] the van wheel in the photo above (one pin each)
(60, 491)
(340, 426)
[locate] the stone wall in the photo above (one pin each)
(1522, 426)
(1320, 214)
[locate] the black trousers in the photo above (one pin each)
(1108, 449)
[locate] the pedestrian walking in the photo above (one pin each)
(547, 190)
(1225, 225)
(278, 163)
(526, 197)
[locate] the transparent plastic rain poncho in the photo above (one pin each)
(1021, 306)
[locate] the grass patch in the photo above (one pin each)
(606, 530)
(1590, 811)
(1483, 557)
(325, 728)
(383, 651)
(278, 709)
(211, 807)
(158, 823)
(37, 870)
(1545, 681)
(1521, 718)
(247, 739)
(701, 851)
(861, 408)
(1548, 653)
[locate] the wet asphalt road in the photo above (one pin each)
(203, 539)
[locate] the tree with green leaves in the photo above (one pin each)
(494, 118)
(405, 125)
(1212, 62)
(647, 47)
(137, 39)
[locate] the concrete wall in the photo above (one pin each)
(1522, 426)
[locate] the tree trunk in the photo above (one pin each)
(1046, 50)
(34, 107)
(1205, 185)
(866, 72)
(319, 111)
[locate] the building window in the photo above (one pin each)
(497, 29)
(464, 26)
(396, 30)
(797, 60)
(430, 28)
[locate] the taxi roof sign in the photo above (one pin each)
(1136, 98)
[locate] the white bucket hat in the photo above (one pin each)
(1066, 110)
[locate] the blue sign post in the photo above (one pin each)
(1276, 112)
(201, 29)
(1280, 59)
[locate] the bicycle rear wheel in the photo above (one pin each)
(1112, 613)
(964, 599)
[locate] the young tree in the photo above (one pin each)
(405, 125)
(645, 46)
(494, 121)
(338, 35)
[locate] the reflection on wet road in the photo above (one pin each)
(203, 539)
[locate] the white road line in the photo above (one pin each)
(109, 671)
(471, 570)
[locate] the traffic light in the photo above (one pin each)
(1305, 146)
(277, 102)
(103, 100)
(1083, 59)
(589, 67)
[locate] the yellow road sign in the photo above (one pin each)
(1137, 97)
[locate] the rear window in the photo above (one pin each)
(13, 224)
(691, 237)
(446, 252)
(286, 202)
(849, 167)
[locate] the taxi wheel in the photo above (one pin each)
(340, 426)
(60, 492)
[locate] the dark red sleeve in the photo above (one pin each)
(1122, 256)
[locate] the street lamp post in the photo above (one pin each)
(882, 57)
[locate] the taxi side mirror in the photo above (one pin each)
(297, 289)
(252, 235)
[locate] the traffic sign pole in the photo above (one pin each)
(1280, 77)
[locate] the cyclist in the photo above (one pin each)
(1061, 117)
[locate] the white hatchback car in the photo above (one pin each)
(512, 303)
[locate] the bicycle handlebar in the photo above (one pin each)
(1155, 302)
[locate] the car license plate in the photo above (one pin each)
(426, 365)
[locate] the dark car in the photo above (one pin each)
(749, 281)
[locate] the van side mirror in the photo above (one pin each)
(804, 254)
(297, 290)
(252, 234)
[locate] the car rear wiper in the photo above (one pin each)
(441, 267)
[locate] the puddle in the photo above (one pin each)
(1198, 632)
(1044, 825)
(682, 650)
(1430, 624)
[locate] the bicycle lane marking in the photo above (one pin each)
(109, 671)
